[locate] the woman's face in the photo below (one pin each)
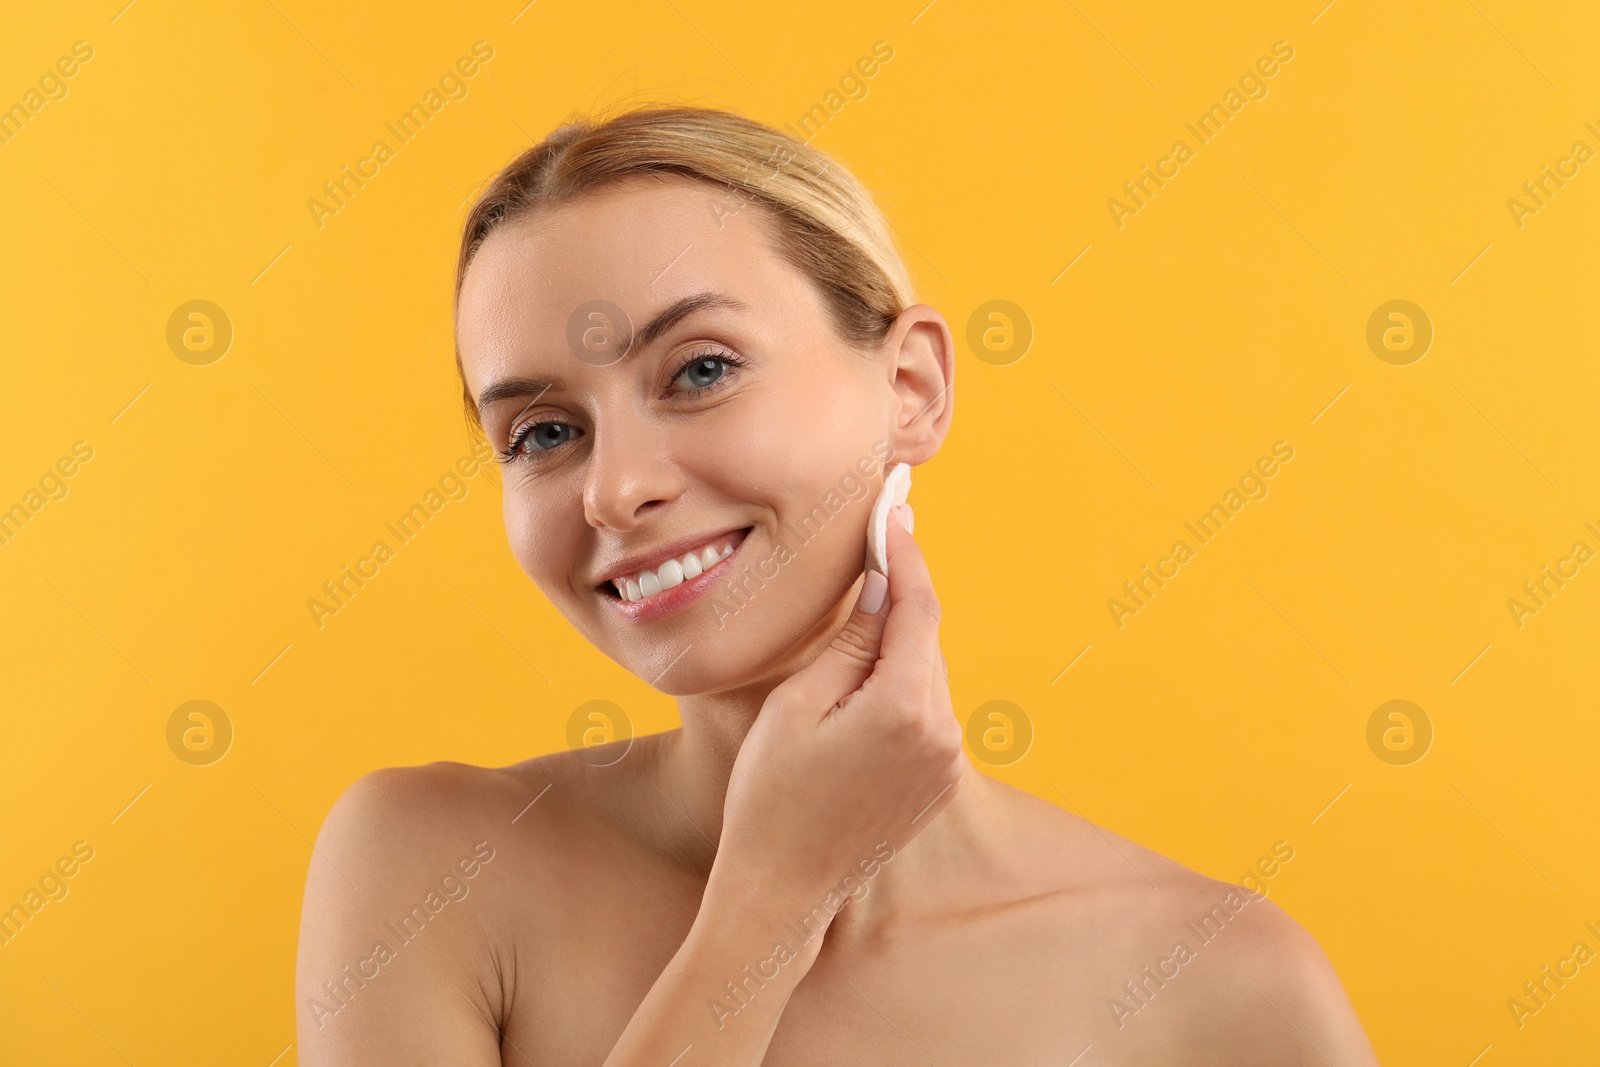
(662, 385)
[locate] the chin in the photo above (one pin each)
(706, 679)
(760, 645)
(716, 661)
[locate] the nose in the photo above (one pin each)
(631, 473)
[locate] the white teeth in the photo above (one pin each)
(672, 573)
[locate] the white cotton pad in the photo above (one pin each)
(896, 484)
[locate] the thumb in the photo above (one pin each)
(847, 662)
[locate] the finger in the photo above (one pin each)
(849, 659)
(910, 645)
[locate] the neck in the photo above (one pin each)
(696, 766)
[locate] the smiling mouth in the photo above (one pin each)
(669, 574)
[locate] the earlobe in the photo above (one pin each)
(923, 364)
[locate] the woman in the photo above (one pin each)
(684, 332)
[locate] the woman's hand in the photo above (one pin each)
(858, 750)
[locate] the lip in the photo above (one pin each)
(680, 596)
(657, 556)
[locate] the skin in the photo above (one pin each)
(620, 898)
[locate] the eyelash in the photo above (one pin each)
(511, 453)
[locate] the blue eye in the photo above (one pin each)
(540, 436)
(705, 370)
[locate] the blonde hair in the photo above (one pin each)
(826, 223)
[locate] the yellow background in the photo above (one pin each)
(1226, 315)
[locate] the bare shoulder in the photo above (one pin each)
(1296, 1009)
(404, 802)
(392, 815)
(397, 825)
(1192, 963)
(403, 953)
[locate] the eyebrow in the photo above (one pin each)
(664, 320)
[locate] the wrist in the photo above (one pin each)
(772, 921)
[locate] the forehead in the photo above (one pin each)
(640, 244)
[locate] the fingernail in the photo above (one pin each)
(872, 591)
(907, 517)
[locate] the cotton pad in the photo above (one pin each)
(896, 484)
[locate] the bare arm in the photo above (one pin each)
(725, 990)
(387, 971)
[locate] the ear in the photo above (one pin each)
(921, 363)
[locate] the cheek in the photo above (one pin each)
(538, 538)
(798, 462)
(797, 440)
